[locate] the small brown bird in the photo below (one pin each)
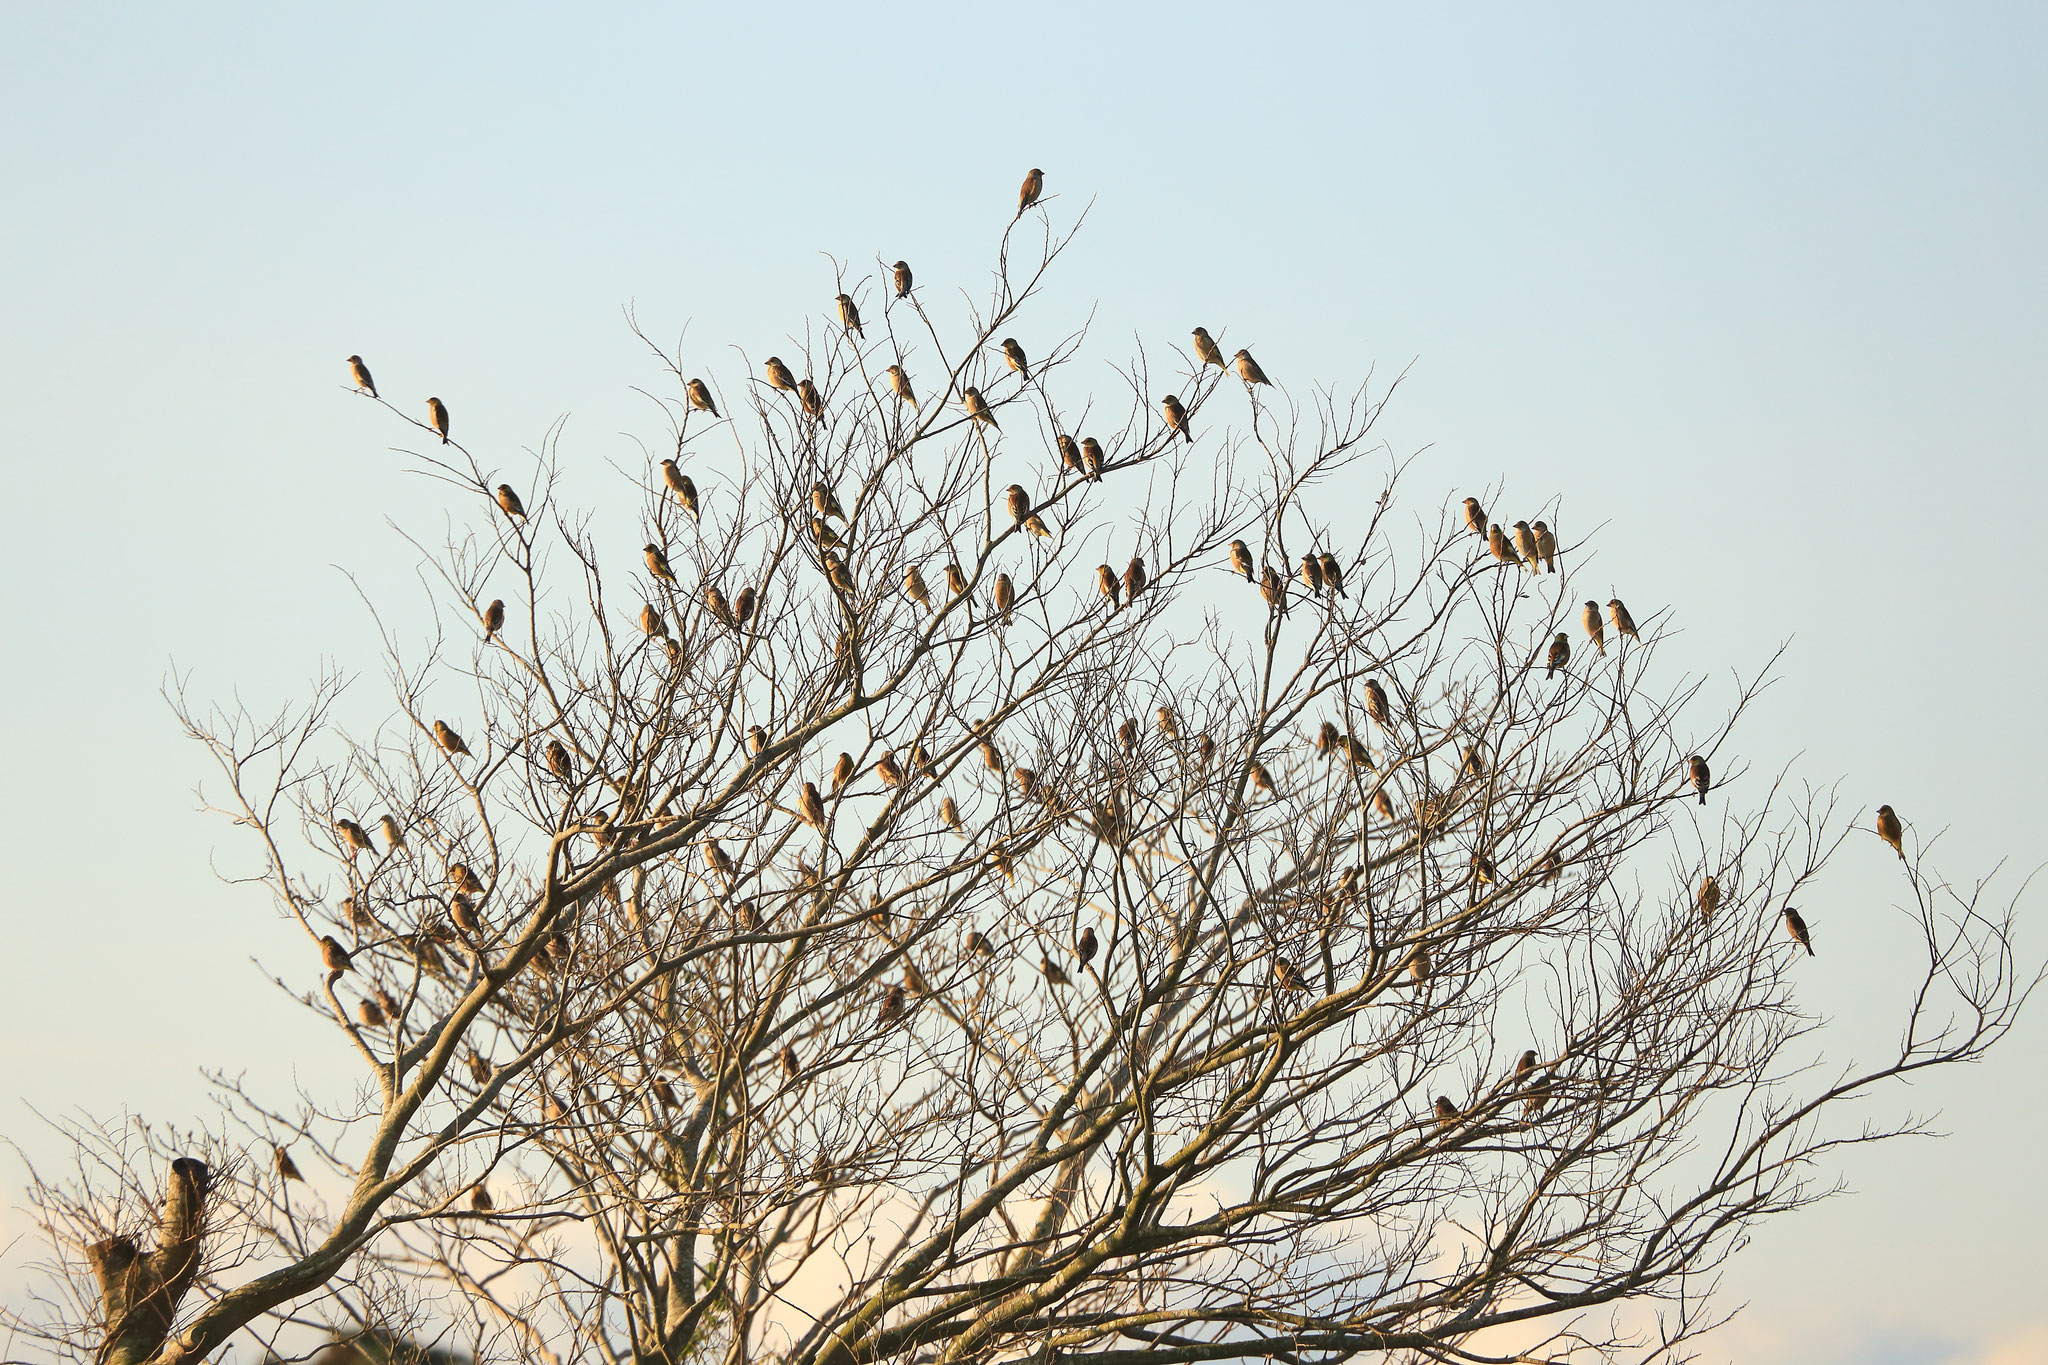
(1285, 978)
(509, 503)
(786, 1059)
(757, 739)
(1590, 618)
(1241, 559)
(778, 374)
(825, 502)
(807, 394)
(1525, 545)
(1070, 453)
(1355, 750)
(921, 763)
(837, 574)
(1624, 624)
(1527, 1064)
(1891, 831)
(1796, 927)
(1333, 574)
(651, 621)
(1085, 947)
(371, 1013)
(915, 589)
(849, 316)
(977, 943)
(1176, 417)
(462, 910)
(354, 837)
(1328, 738)
(1127, 735)
(1018, 502)
(810, 806)
(559, 762)
(437, 416)
(1383, 803)
(1273, 588)
(287, 1169)
(1006, 596)
(978, 408)
(1701, 777)
(494, 617)
(889, 770)
(1376, 702)
(1034, 185)
(700, 396)
(1106, 584)
(360, 372)
(1474, 764)
(899, 382)
(480, 1199)
(1546, 546)
(446, 737)
(1205, 750)
(332, 955)
(950, 813)
(657, 563)
(1418, 965)
(956, 581)
(1709, 897)
(991, 756)
(1169, 724)
(1014, 354)
(1027, 780)
(1312, 574)
(892, 1007)
(1035, 524)
(715, 603)
(1498, 543)
(744, 606)
(1134, 579)
(842, 771)
(1475, 516)
(1261, 779)
(1053, 973)
(1483, 870)
(1560, 654)
(1091, 455)
(394, 837)
(1248, 369)
(1447, 1114)
(464, 880)
(1206, 349)
(902, 279)
(717, 859)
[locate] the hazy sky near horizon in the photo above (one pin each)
(1757, 290)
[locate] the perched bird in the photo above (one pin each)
(900, 382)
(1054, 974)
(1091, 455)
(1527, 1064)
(1312, 574)
(1483, 870)
(1034, 185)
(786, 1059)
(757, 739)
(1796, 927)
(889, 770)
(1035, 524)
(371, 1013)
(811, 806)
(494, 617)
(559, 762)
(1360, 756)
(1127, 735)
(902, 279)
(480, 1198)
(914, 588)
(1285, 978)
(1546, 546)
(509, 503)
(1070, 453)
(1591, 619)
(1498, 543)
(825, 535)
(1134, 579)
(1014, 354)
(1176, 417)
(1169, 724)
(1709, 896)
(1891, 831)
(921, 763)
(287, 1169)
(1261, 779)
(744, 606)
(445, 736)
(1026, 778)
(360, 372)
(1447, 1114)
(715, 603)
(950, 813)
(825, 502)
(700, 396)
(977, 943)
(1475, 516)
(332, 955)
(1418, 965)
(657, 563)
(1205, 750)
(1560, 654)
(1474, 764)
(394, 837)
(437, 417)
(464, 880)
(1105, 582)
(842, 771)
(778, 374)
(354, 836)
(1248, 369)
(651, 621)
(1018, 502)
(1241, 559)
(1085, 947)
(1383, 803)
(1328, 738)
(1701, 777)
(1206, 349)
(1525, 544)
(1624, 624)
(892, 1007)
(1006, 596)
(849, 315)
(807, 394)
(978, 408)
(1376, 702)
(1333, 574)
(462, 910)
(1273, 588)
(956, 581)
(717, 859)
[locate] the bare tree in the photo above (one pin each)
(993, 878)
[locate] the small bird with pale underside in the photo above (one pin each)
(1624, 624)
(778, 374)
(1241, 559)
(657, 563)
(1546, 546)
(1206, 349)
(1027, 195)
(437, 417)
(1333, 575)
(899, 382)
(1891, 831)
(849, 315)
(682, 486)
(903, 281)
(914, 587)
(509, 503)
(978, 408)
(360, 372)
(700, 396)
(1525, 545)
(1248, 369)
(1176, 417)
(1475, 517)
(1590, 618)
(1014, 355)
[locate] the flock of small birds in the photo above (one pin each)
(1527, 545)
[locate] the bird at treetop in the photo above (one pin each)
(1376, 702)
(1006, 595)
(1891, 831)
(1105, 582)
(978, 408)
(778, 374)
(900, 382)
(849, 316)
(1273, 589)
(1134, 578)
(1248, 369)
(354, 836)
(1206, 349)
(1546, 546)
(956, 581)
(1590, 618)
(1312, 574)
(651, 621)
(1525, 545)
(1333, 575)
(446, 737)
(1475, 516)
(811, 806)
(913, 586)
(1169, 724)
(1447, 1113)
(1241, 559)
(1034, 185)
(825, 502)
(509, 503)
(1018, 502)
(902, 279)
(1053, 973)
(1176, 417)
(1084, 948)
(393, 836)
(287, 1169)
(1014, 354)
(1560, 654)
(842, 771)
(360, 372)
(743, 608)
(1070, 453)
(494, 617)
(332, 955)
(558, 760)
(889, 770)
(1091, 455)
(1796, 927)
(700, 396)
(1498, 544)
(807, 394)
(437, 416)
(1701, 777)
(1709, 896)
(657, 563)
(1624, 624)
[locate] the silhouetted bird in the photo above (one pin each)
(360, 372)
(437, 417)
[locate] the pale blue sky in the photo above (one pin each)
(1761, 287)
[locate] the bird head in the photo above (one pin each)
(355, 360)
(651, 548)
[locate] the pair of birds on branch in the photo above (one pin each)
(437, 411)
(1209, 353)
(1320, 573)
